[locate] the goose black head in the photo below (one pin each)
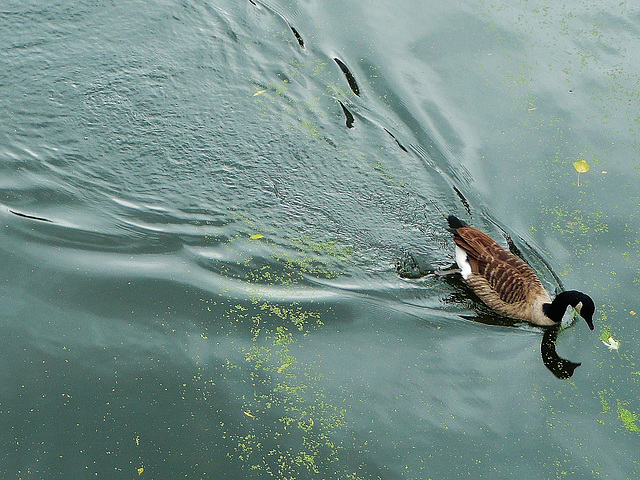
(583, 304)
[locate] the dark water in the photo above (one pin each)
(203, 205)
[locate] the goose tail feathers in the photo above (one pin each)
(455, 223)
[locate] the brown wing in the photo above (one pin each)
(505, 274)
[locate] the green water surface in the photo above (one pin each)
(203, 204)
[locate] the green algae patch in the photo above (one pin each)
(290, 426)
(606, 408)
(286, 427)
(605, 333)
(628, 418)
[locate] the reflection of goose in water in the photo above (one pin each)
(560, 367)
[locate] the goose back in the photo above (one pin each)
(500, 279)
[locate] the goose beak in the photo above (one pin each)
(589, 322)
(589, 319)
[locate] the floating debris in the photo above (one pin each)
(581, 166)
(612, 343)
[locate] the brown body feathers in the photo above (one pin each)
(500, 279)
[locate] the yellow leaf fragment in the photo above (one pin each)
(632, 312)
(140, 470)
(249, 414)
(257, 236)
(581, 166)
(259, 92)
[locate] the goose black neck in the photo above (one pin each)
(556, 309)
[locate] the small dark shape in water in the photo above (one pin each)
(350, 78)
(348, 114)
(463, 200)
(253, 3)
(412, 266)
(298, 37)
(560, 367)
(397, 141)
(24, 215)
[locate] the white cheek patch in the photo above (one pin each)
(463, 262)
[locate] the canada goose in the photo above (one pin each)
(507, 284)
